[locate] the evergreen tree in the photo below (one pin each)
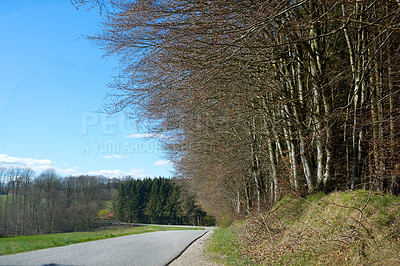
(158, 201)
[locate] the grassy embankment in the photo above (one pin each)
(18, 244)
(342, 228)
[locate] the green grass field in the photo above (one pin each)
(18, 244)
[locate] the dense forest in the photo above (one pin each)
(48, 203)
(159, 201)
(259, 99)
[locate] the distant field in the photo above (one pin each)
(18, 244)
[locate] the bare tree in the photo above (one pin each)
(262, 98)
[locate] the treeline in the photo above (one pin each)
(158, 201)
(48, 203)
(258, 99)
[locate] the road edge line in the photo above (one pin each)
(180, 254)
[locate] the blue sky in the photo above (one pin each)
(51, 82)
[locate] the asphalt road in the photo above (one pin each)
(156, 248)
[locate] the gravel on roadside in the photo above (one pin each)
(195, 254)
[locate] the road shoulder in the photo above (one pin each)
(195, 254)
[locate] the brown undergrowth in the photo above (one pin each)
(342, 228)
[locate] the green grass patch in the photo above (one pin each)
(224, 247)
(3, 198)
(18, 244)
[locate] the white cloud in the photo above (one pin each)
(40, 165)
(113, 156)
(139, 135)
(145, 135)
(137, 173)
(68, 172)
(37, 165)
(163, 163)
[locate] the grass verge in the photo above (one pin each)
(18, 244)
(224, 246)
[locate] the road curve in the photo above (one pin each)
(156, 248)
